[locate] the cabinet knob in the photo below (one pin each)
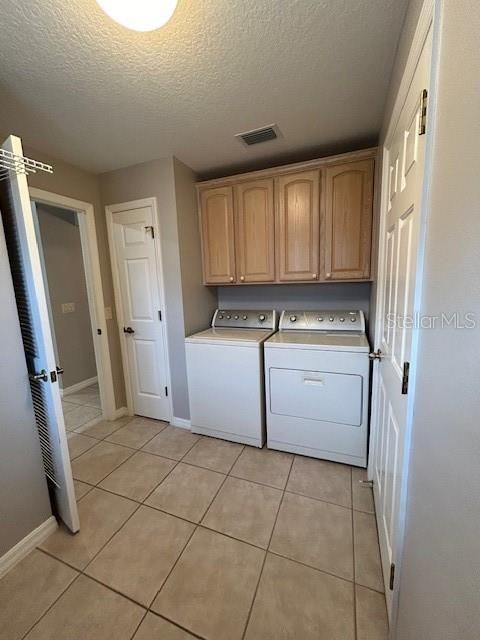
(231, 278)
(328, 274)
(314, 276)
(242, 278)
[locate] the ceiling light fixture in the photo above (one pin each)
(139, 15)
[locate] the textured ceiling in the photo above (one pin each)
(80, 87)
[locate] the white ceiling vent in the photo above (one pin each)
(255, 136)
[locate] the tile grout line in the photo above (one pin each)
(54, 601)
(200, 524)
(134, 451)
(196, 526)
(247, 622)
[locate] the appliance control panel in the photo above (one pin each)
(245, 318)
(330, 321)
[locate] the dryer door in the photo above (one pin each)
(317, 395)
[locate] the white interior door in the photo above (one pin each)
(396, 305)
(37, 340)
(136, 269)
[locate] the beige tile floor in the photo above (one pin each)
(82, 408)
(188, 537)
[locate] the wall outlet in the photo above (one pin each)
(68, 307)
(108, 313)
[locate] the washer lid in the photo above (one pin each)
(231, 336)
(324, 341)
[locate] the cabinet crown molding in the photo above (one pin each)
(278, 170)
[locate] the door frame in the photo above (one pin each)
(96, 303)
(109, 211)
(428, 20)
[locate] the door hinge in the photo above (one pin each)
(391, 582)
(406, 373)
(151, 229)
(99, 332)
(422, 128)
(160, 315)
(53, 376)
(166, 392)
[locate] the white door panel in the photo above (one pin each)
(404, 160)
(139, 302)
(37, 338)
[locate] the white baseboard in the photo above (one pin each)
(180, 422)
(79, 386)
(119, 413)
(23, 548)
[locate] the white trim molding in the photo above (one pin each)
(181, 422)
(120, 413)
(23, 548)
(78, 386)
(96, 300)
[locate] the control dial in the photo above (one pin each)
(293, 318)
(261, 317)
(331, 318)
(244, 317)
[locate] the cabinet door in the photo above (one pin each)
(216, 220)
(348, 220)
(298, 226)
(255, 231)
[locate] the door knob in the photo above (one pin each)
(36, 377)
(231, 278)
(128, 330)
(60, 371)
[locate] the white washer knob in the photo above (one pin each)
(320, 318)
(331, 318)
(293, 318)
(261, 317)
(228, 317)
(353, 319)
(342, 319)
(235, 317)
(244, 317)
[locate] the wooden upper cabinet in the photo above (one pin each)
(255, 231)
(348, 220)
(297, 205)
(217, 228)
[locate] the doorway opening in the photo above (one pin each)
(65, 234)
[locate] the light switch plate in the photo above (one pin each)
(108, 313)
(68, 307)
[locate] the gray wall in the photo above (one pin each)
(157, 179)
(24, 502)
(199, 302)
(440, 580)
(62, 252)
(297, 296)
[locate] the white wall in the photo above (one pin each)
(440, 580)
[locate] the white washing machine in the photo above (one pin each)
(317, 385)
(226, 376)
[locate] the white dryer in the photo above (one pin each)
(317, 385)
(226, 376)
